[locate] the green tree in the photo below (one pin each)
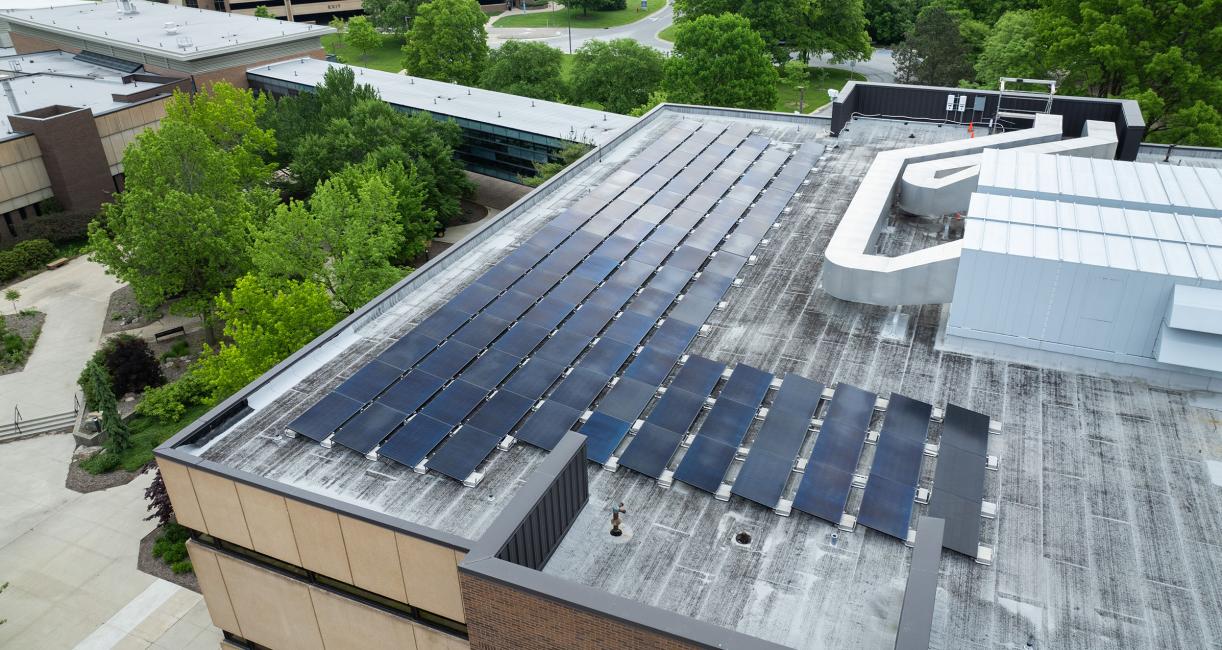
(181, 228)
(565, 157)
(527, 69)
(836, 28)
(447, 42)
(262, 12)
(118, 437)
(887, 21)
(298, 116)
(231, 118)
(395, 15)
(344, 238)
(778, 22)
(1013, 49)
(655, 98)
(362, 35)
(720, 61)
(13, 295)
(933, 52)
(266, 320)
(619, 74)
(596, 5)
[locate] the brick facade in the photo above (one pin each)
(500, 617)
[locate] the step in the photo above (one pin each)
(35, 426)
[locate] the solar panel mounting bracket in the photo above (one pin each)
(860, 480)
(848, 523)
(506, 443)
(328, 442)
(723, 492)
(922, 496)
(473, 479)
(667, 479)
(784, 508)
(931, 450)
(420, 468)
(289, 433)
(612, 464)
(991, 462)
(984, 555)
(881, 403)
(994, 426)
(872, 438)
(988, 509)
(937, 414)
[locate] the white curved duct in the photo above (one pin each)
(852, 272)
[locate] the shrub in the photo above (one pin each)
(132, 365)
(10, 266)
(168, 403)
(182, 567)
(171, 547)
(59, 227)
(180, 349)
(102, 462)
(34, 252)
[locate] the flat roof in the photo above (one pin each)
(1108, 522)
(197, 33)
(50, 78)
(553, 119)
(7, 5)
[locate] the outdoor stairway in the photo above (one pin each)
(35, 426)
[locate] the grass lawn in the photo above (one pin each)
(147, 433)
(388, 57)
(668, 34)
(593, 19)
(816, 90)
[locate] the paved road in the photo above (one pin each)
(644, 31)
(880, 67)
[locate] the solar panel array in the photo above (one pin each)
(626, 276)
(958, 483)
(824, 490)
(887, 503)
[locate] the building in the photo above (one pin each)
(503, 134)
(652, 324)
(204, 46)
(316, 11)
(11, 5)
(65, 122)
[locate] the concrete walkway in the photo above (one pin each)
(74, 298)
(644, 31)
(70, 561)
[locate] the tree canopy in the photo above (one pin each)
(618, 74)
(395, 15)
(720, 61)
(809, 27)
(933, 52)
(230, 117)
(525, 68)
(362, 35)
(447, 42)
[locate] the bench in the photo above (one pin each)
(170, 333)
(55, 264)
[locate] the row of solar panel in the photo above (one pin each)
(958, 483)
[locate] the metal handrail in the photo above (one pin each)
(76, 403)
(17, 419)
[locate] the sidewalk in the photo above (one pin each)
(70, 561)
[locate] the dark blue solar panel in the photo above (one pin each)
(573, 289)
(886, 506)
(463, 452)
(534, 378)
(447, 360)
(740, 244)
(688, 258)
(651, 303)
(898, 459)
(746, 385)
(673, 336)
(823, 492)
(596, 268)
(414, 440)
(670, 279)
(363, 432)
(322, 419)
(510, 305)
(370, 380)
(851, 405)
(965, 429)
(668, 234)
(838, 445)
(473, 298)
(652, 366)
(603, 434)
(907, 418)
(616, 247)
(650, 450)
(606, 356)
(501, 413)
(546, 426)
(520, 259)
(632, 274)
(962, 518)
(548, 312)
(491, 368)
(409, 393)
(627, 399)
(762, 477)
(726, 264)
(694, 308)
(705, 463)
(635, 229)
(629, 328)
(481, 330)
(548, 236)
(789, 417)
(579, 388)
(728, 422)
(705, 237)
(405, 352)
(455, 402)
(521, 339)
(676, 410)
(503, 274)
(699, 375)
(651, 252)
(537, 282)
(589, 320)
(563, 346)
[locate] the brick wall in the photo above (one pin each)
(501, 617)
(28, 44)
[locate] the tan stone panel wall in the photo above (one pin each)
(430, 574)
(373, 558)
(182, 494)
(272, 610)
(349, 625)
(212, 584)
(319, 540)
(218, 500)
(267, 519)
(23, 176)
(429, 639)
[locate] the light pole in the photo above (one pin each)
(570, 14)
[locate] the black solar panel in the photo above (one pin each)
(491, 368)
(504, 273)
(549, 236)
(705, 463)
(548, 312)
(474, 298)
(590, 319)
(670, 279)
(728, 422)
(481, 330)
(897, 459)
(447, 360)
(370, 380)
(746, 385)
(414, 440)
(962, 517)
(455, 402)
(501, 413)
(537, 282)
(596, 268)
(677, 409)
(510, 305)
(886, 506)
(789, 417)
(668, 234)
(965, 429)
(463, 452)
(650, 450)
(521, 339)
(652, 303)
(629, 328)
(322, 419)
(627, 399)
(603, 434)
(606, 357)
(726, 264)
(960, 472)
(851, 405)
(698, 375)
(652, 366)
(409, 393)
(407, 351)
(534, 378)
(651, 252)
(546, 426)
(573, 289)
(579, 388)
(616, 247)
(363, 432)
(907, 418)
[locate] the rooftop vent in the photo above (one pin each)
(743, 537)
(127, 7)
(184, 42)
(172, 27)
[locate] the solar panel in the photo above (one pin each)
(473, 298)
(503, 274)
(668, 234)
(694, 308)
(491, 368)
(322, 419)
(740, 244)
(546, 426)
(629, 328)
(698, 375)
(447, 360)
(728, 422)
(580, 387)
(706, 237)
(636, 229)
(481, 330)
(960, 473)
(590, 319)
(823, 492)
(746, 385)
(965, 429)
(463, 452)
(651, 252)
(521, 339)
(573, 289)
(596, 268)
(563, 346)
(548, 312)
(616, 247)
(670, 279)
(886, 506)
(688, 258)
(370, 380)
(534, 378)
(851, 405)
(677, 410)
(414, 440)
(510, 305)
(627, 399)
(907, 418)
(652, 303)
(727, 264)
(962, 521)
(603, 434)
(410, 392)
(548, 236)
(455, 402)
(650, 450)
(409, 350)
(705, 463)
(363, 432)
(652, 366)
(839, 444)
(501, 413)
(762, 477)
(606, 356)
(673, 335)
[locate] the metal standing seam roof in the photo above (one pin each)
(1158, 187)
(552, 119)
(1130, 239)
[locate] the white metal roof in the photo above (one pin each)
(200, 33)
(1160, 187)
(1196, 308)
(1165, 243)
(563, 121)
